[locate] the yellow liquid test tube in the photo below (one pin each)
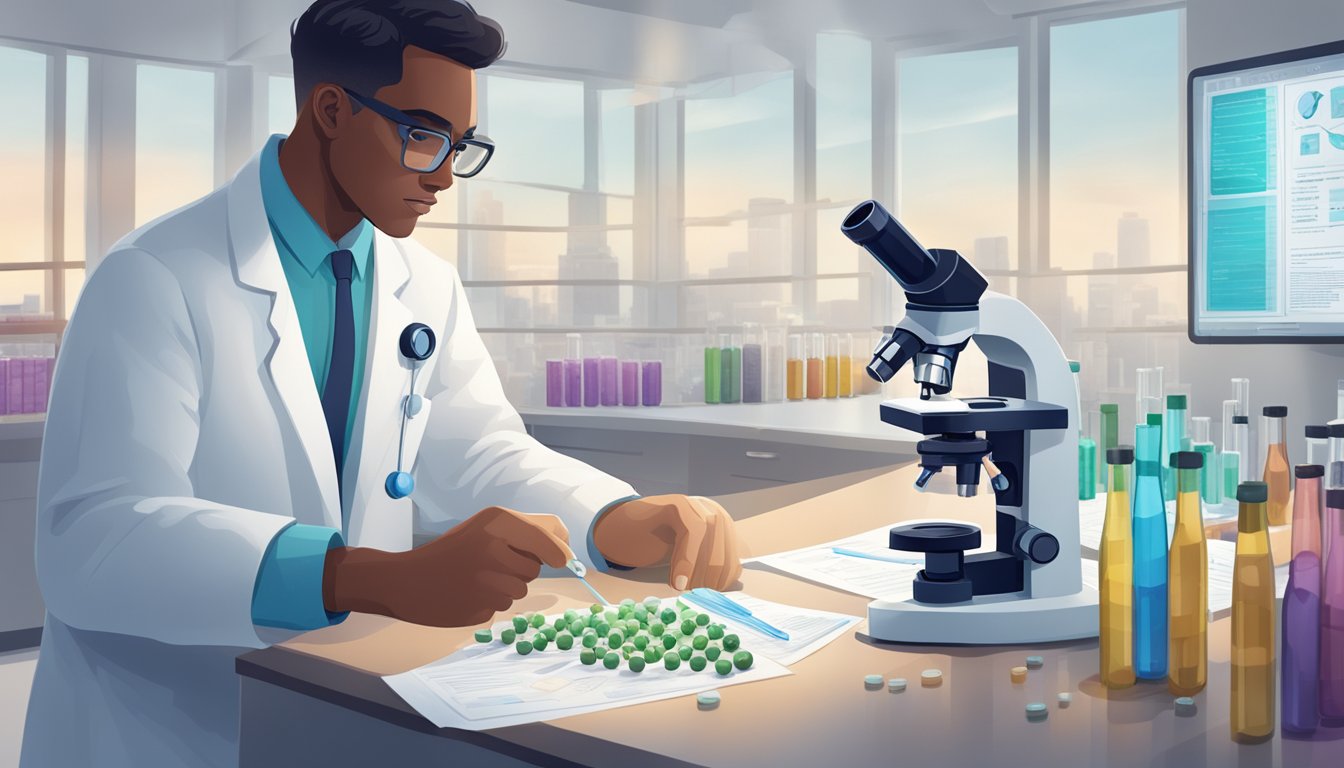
(1252, 718)
(1188, 584)
(1278, 474)
(1116, 571)
(816, 358)
(846, 388)
(832, 366)
(794, 368)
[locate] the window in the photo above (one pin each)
(280, 106)
(174, 138)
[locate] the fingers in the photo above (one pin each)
(727, 534)
(686, 550)
(714, 547)
(499, 590)
(514, 563)
(542, 537)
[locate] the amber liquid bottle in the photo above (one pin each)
(1253, 632)
(1116, 572)
(1278, 472)
(1188, 583)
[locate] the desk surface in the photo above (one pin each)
(821, 714)
(850, 422)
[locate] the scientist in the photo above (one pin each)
(231, 398)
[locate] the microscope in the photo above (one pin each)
(1024, 434)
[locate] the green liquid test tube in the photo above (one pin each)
(1110, 437)
(1087, 463)
(713, 369)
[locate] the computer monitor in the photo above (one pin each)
(1266, 207)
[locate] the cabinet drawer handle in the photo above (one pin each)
(762, 455)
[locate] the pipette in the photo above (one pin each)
(577, 568)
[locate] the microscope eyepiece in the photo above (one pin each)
(871, 226)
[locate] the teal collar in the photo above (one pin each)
(300, 237)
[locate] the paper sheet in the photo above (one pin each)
(1222, 555)
(1092, 517)
(491, 686)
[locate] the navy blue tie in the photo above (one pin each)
(336, 394)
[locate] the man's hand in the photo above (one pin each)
(461, 578)
(692, 533)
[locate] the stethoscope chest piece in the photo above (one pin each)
(417, 344)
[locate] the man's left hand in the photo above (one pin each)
(691, 533)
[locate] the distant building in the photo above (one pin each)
(1132, 245)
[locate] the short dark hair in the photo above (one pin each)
(358, 43)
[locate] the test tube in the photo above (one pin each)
(832, 366)
(1253, 667)
(592, 381)
(1211, 474)
(846, 388)
(1173, 436)
(555, 383)
(713, 368)
(1087, 462)
(752, 363)
(1332, 612)
(630, 382)
(730, 380)
(1150, 555)
(1241, 392)
(1188, 582)
(1231, 457)
(1148, 393)
(1277, 469)
(573, 370)
(774, 364)
(1301, 626)
(1318, 444)
(653, 382)
(1116, 575)
(1334, 471)
(609, 368)
(795, 367)
(816, 358)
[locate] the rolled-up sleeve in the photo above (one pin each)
(288, 594)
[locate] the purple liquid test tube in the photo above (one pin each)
(573, 383)
(555, 383)
(1332, 613)
(610, 394)
(1301, 625)
(653, 382)
(629, 382)
(591, 384)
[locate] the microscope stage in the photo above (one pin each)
(978, 414)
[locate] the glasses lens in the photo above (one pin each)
(470, 159)
(423, 150)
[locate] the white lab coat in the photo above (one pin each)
(185, 432)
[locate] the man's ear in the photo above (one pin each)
(330, 108)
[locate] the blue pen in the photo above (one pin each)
(717, 601)
(874, 556)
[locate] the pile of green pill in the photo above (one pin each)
(638, 634)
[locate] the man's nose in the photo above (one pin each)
(439, 179)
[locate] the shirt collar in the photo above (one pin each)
(300, 237)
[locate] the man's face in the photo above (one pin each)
(366, 155)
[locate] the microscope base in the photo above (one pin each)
(988, 620)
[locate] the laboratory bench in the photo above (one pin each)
(319, 698)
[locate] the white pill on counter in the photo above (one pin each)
(896, 684)
(931, 678)
(707, 700)
(872, 682)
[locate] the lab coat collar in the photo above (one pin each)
(256, 265)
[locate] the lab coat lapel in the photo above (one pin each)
(257, 265)
(387, 381)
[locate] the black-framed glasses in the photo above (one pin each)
(423, 149)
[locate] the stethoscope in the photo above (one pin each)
(417, 344)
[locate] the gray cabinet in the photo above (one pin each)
(21, 608)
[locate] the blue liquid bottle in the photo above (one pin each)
(1150, 556)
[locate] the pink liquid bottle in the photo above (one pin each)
(1301, 624)
(1332, 613)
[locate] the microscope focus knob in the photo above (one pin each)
(1036, 545)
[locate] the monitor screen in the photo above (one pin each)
(1266, 187)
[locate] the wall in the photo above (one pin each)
(1300, 376)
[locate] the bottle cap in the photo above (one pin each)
(1075, 366)
(1176, 401)
(1306, 471)
(1276, 411)
(1187, 460)
(1110, 408)
(1253, 493)
(1241, 420)
(1154, 419)
(1121, 455)
(1334, 498)
(1317, 431)
(1336, 430)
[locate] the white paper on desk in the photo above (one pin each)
(870, 578)
(808, 630)
(1222, 555)
(1092, 517)
(490, 686)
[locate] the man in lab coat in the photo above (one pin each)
(228, 401)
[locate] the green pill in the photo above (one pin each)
(702, 619)
(611, 660)
(559, 623)
(523, 648)
(571, 615)
(636, 663)
(731, 642)
(595, 608)
(537, 620)
(615, 639)
(587, 657)
(652, 655)
(507, 636)
(671, 661)
(657, 630)
(599, 651)
(632, 626)
(723, 666)
(602, 628)
(519, 623)
(484, 635)
(668, 616)
(742, 659)
(698, 663)
(628, 650)
(715, 631)
(641, 615)
(564, 641)
(669, 642)
(549, 633)
(641, 642)
(699, 642)
(539, 642)
(685, 652)
(712, 652)
(628, 603)
(575, 627)
(589, 641)
(611, 616)
(687, 627)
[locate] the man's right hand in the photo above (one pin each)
(461, 578)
